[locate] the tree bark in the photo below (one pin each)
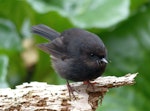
(37, 96)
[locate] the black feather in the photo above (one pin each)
(45, 31)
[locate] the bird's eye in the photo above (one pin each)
(92, 55)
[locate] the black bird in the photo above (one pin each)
(77, 55)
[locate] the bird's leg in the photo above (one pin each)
(70, 90)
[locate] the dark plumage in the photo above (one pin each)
(76, 54)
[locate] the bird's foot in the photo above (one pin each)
(70, 90)
(89, 84)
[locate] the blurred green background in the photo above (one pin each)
(123, 25)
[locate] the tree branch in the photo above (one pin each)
(41, 96)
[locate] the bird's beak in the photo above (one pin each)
(104, 60)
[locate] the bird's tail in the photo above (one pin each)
(45, 31)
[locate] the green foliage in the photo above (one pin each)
(124, 26)
(3, 70)
(7, 28)
(80, 13)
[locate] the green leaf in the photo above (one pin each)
(26, 29)
(9, 38)
(135, 4)
(16, 11)
(3, 70)
(86, 13)
(17, 72)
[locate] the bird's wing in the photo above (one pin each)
(56, 48)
